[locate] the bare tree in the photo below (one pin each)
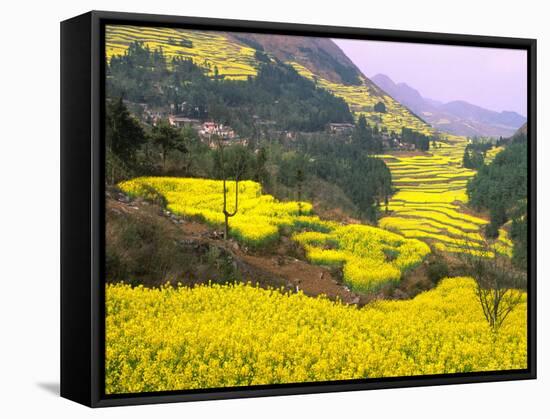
(236, 168)
(499, 286)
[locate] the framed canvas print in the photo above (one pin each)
(255, 209)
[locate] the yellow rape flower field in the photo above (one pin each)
(431, 194)
(362, 98)
(212, 336)
(259, 216)
(206, 48)
(426, 184)
(371, 257)
(238, 335)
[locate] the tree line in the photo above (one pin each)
(136, 149)
(474, 153)
(501, 188)
(348, 163)
(278, 93)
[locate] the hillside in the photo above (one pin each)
(208, 49)
(430, 199)
(272, 216)
(431, 196)
(322, 56)
(355, 248)
(456, 117)
(235, 56)
(521, 131)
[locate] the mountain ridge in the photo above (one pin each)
(322, 60)
(458, 117)
(522, 131)
(320, 55)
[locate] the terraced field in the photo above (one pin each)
(429, 204)
(361, 100)
(431, 197)
(237, 61)
(370, 257)
(431, 188)
(207, 49)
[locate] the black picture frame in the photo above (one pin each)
(83, 207)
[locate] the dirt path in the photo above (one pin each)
(312, 280)
(278, 268)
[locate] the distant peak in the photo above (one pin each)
(403, 84)
(382, 77)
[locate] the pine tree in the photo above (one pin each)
(124, 134)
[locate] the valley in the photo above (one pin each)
(274, 216)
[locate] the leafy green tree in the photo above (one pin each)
(361, 131)
(519, 235)
(501, 188)
(474, 155)
(195, 151)
(365, 138)
(124, 134)
(498, 218)
(261, 174)
(421, 141)
(167, 138)
(366, 180)
(380, 107)
(300, 177)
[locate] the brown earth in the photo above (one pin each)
(282, 265)
(278, 268)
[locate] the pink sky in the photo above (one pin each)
(493, 78)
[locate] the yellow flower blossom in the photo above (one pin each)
(236, 335)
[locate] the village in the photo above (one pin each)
(213, 132)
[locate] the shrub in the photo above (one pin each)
(437, 269)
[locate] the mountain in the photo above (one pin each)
(238, 56)
(321, 60)
(522, 131)
(321, 55)
(456, 117)
(400, 91)
(468, 111)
